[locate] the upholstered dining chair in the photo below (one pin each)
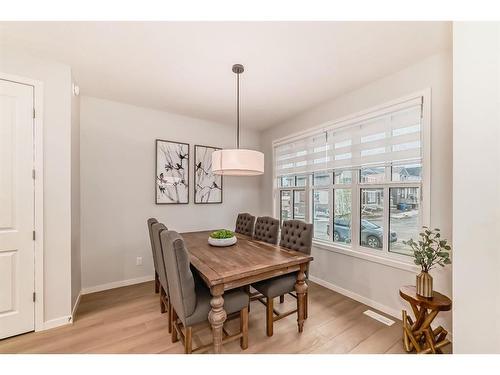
(191, 302)
(165, 306)
(150, 223)
(295, 235)
(245, 224)
(267, 229)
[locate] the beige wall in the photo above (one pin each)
(371, 282)
(118, 193)
(476, 183)
(56, 80)
(76, 276)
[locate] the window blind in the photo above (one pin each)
(388, 136)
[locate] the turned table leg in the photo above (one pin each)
(301, 290)
(217, 316)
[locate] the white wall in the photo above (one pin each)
(118, 191)
(76, 276)
(56, 80)
(368, 281)
(476, 182)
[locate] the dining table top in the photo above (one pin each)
(246, 260)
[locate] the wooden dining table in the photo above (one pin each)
(246, 262)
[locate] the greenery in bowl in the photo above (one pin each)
(430, 250)
(222, 234)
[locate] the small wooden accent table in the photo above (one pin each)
(419, 335)
(246, 262)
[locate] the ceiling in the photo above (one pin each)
(185, 67)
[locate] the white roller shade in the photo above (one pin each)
(305, 155)
(387, 136)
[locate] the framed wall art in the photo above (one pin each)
(172, 172)
(207, 185)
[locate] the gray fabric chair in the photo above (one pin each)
(150, 223)
(191, 301)
(245, 224)
(165, 306)
(267, 230)
(295, 235)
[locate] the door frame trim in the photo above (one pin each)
(38, 185)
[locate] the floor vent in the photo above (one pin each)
(380, 318)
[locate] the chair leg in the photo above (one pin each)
(244, 328)
(282, 298)
(269, 315)
(174, 330)
(170, 317)
(188, 340)
(162, 304)
(157, 283)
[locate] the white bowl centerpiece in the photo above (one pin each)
(222, 238)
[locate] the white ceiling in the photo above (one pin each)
(185, 67)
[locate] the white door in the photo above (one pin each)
(16, 209)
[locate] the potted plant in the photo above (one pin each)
(428, 252)
(223, 237)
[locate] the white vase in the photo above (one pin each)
(222, 242)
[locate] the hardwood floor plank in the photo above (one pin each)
(380, 341)
(128, 320)
(358, 329)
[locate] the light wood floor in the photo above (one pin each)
(128, 320)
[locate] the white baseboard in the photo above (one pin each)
(62, 321)
(75, 308)
(396, 313)
(116, 284)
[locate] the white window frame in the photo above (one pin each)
(383, 256)
(293, 189)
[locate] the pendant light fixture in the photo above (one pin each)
(237, 162)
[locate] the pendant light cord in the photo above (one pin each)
(238, 111)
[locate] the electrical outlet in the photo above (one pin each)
(138, 261)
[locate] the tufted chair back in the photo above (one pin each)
(267, 229)
(156, 230)
(152, 221)
(297, 235)
(180, 278)
(245, 224)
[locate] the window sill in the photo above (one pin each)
(391, 262)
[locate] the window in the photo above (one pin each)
(343, 177)
(342, 216)
(407, 172)
(299, 204)
(293, 197)
(322, 179)
(359, 183)
(287, 181)
(403, 217)
(371, 225)
(372, 175)
(286, 204)
(321, 214)
(301, 181)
